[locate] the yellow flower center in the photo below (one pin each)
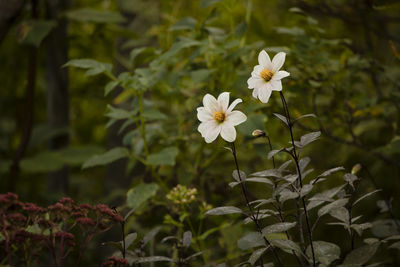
(219, 116)
(266, 75)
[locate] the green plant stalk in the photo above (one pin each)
(296, 159)
(142, 123)
(252, 216)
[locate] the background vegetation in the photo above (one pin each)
(123, 131)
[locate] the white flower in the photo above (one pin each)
(217, 118)
(266, 77)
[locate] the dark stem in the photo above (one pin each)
(351, 230)
(296, 159)
(123, 239)
(252, 216)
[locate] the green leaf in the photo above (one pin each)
(93, 67)
(240, 29)
(96, 16)
(286, 245)
(35, 31)
(120, 114)
(362, 254)
(395, 245)
(341, 214)
(331, 206)
(42, 162)
(153, 259)
(256, 255)
(224, 210)
(325, 252)
(76, 156)
(350, 179)
(110, 86)
(385, 228)
(330, 171)
(365, 196)
(250, 240)
(278, 227)
(186, 23)
(153, 114)
(106, 158)
(308, 138)
(241, 176)
(282, 118)
(286, 194)
(207, 3)
(200, 75)
(139, 194)
(164, 157)
(129, 239)
(150, 235)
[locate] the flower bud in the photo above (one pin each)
(258, 133)
(356, 168)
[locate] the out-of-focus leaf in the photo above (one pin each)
(325, 252)
(186, 23)
(350, 179)
(286, 245)
(110, 86)
(93, 67)
(256, 255)
(106, 158)
(241, 176)
(253, 122)
(139, 194)
(187, 239)
(365, 196)
(308, 138)
(96, 16)
(150, 235)
(153, 259)
(165, 157)
(331, 206)
(278, 227)
(42, 162)
(33, 32)
(250, 240)
(385, 228)
(207, 3)
(224, 210)
(129, 239)
(362, 254)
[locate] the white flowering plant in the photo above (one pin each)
(286, 215)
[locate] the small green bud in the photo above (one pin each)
(356, 168)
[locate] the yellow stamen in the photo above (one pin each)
(219, 116)
(266, 75)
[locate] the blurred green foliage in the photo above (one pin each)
(147, 65)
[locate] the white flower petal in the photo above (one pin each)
(223, 101)
(236, 117)
(264, 93)
(280, 75)
(276, 85)
(255, 92)
(203, 114)
(233, 105)
(210, 103)
(256, 71)
(212, 132)
(277, 61)
(205, 126)
(264, 60)
(254, 82)
(228, 132)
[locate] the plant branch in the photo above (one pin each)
(252, 216)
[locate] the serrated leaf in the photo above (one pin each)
(139, 194)
(308, 138)
(325, 252)
(331, 206)
(224, 210)
(164, 157)
(187, 239)
(278, 227)
(362, 254)
(106, 158)
(250, 240)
